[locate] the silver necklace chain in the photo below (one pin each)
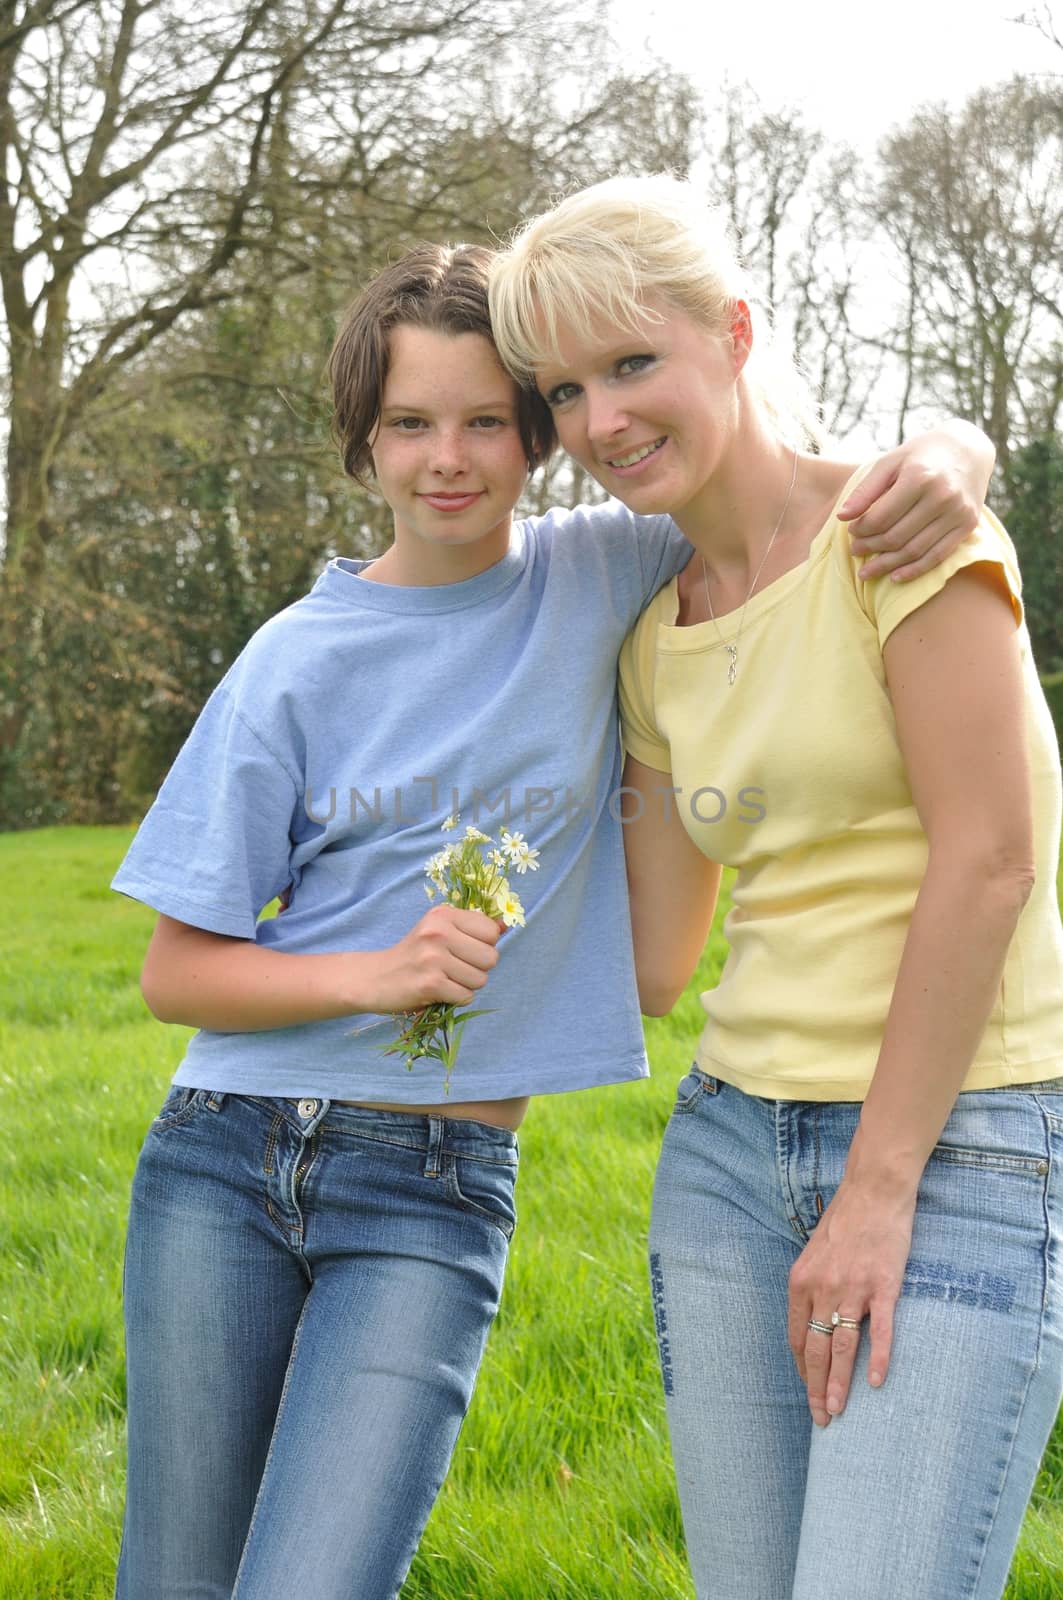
(732, 649)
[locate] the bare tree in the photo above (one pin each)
(191, 197)
(972, 200)
(1043, 18)
(159, 160)
(797, 207)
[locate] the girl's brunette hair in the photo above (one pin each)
(434, 286)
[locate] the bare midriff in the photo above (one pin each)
(498, 1113)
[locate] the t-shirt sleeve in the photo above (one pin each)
(640, 554)
(215, 847)
(664, 550)
(638, 726)
(888, 603)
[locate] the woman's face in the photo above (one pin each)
(651, 415)
(447, 451)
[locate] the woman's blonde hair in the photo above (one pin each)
(601, 253)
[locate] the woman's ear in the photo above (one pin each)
(741, 334)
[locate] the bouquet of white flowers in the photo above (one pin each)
(467, 875)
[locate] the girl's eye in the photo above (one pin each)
(561, 394)
(629, 365)
(488, 422)
(408, 424)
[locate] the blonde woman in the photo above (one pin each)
(855, 1245)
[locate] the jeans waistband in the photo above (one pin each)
(412, 1130)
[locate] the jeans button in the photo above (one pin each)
(308, 1108)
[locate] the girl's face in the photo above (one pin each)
(447, 453)
(651, 415)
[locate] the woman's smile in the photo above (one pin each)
(634, 458)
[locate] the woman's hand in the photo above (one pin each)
(853, 1265)
(920, 501)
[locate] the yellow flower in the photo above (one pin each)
(511, 911)
(507, 906)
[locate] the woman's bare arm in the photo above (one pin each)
(955, 679)
(671, 885)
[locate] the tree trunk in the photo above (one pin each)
(22, 576)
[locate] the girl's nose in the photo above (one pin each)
(448, 453)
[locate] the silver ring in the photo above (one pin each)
(838, 1321)
(820, 1327)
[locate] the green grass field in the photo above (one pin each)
(561, 1488)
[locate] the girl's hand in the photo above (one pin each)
(446, 956)
(920, 501)
(853, 1265)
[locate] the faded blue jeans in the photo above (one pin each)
(917, 1491)
(308, 1290)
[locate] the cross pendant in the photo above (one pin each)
(732, 663)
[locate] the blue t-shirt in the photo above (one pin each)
(327, 758)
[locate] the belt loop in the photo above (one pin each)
(434, 1155)
(215, 1100)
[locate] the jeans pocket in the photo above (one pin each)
(691, 1088)
(483, 1189)
(1001, 1131)
(179, 1107)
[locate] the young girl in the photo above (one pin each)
(318, 1236)
(865, 1166)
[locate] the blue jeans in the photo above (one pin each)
(308, 1290)
(917, 1491)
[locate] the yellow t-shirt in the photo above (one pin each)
(794, 776)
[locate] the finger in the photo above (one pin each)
(915, 535)
(900, 569)
(843, 1348)
(468, 974)
(913, 506)
(877, 481)
(474, 951)
(477, 924)
(927, 564)
(817, 1366)
(458, 982)
(908, 538)
(440, 988)
(799, 1310)
(881, 1333)
(895, 502)
(878, 527)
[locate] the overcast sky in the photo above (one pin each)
(853, 69)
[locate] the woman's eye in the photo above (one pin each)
(561, 394)
(488, 422)
(629, 365)
(407, 424)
